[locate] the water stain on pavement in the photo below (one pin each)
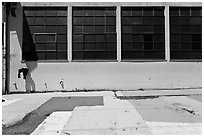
(34, 118)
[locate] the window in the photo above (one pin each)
(143, 33)
(186, 33)
(45, 33)
(94, 33)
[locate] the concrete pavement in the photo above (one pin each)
(163, 115)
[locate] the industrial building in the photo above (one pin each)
(51, 46)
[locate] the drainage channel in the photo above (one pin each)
(31, 121)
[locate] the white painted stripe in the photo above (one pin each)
(53, 124)
(10, 101)
(167, 128)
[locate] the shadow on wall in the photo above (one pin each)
(29, 54)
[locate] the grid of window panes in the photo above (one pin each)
(94, 33)
(143, 33)
(48, 27)
(186, 32)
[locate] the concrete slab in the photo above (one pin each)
(15, 112)
(53, 124)
(129, 94)
(166, 128)
(9, 101)
(115, 117)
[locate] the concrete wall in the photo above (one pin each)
(96, 75)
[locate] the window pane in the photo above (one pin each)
(99, 29)
(110, 21)
(88, 20)
(51, 56)
(148, 12)
(50, 46)
(62, 29)
(78, 29)
(61, 55)
(61, 37)
(51, 21)
(40, 46)
(138, 38)
(110, 38)
(89, 38)
(89, 29)
(61, 13)
(39, 21)
(50, 29)
(138, 20)
(99, 38)
(78, 20)
(110, 29)
(39, 29)
(50, 13)
(78, 38)
(100, 46)
(78, 55)
(61, 46)
(77, 46)
(126, 29)
(62, 20)
(99, 20)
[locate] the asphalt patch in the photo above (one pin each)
(31, 121)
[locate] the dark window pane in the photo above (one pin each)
(185, 38)
(40, 46)
(127, 38)
(147, 12)
(99, 29)
(196, 38)
(126, 12)
(78, 29)
(100, 46)
(50, 13)
(78, 12)
(137, 20)
(39, 20)
(50, 38)
(185, 46)
(175, 29)
(61, 55)
(110, 21)
(61, 46)
(78, 38)
(175, 46)
(159, 46)
(51, 21)
(138, 46)
(174, 20)
(62, 29)
(99, 12)
(51, 56)
(39, 29)
(174, 12)
(126, 46)
(39, 13)
(39, 38)
(88, 20)
(196, 29)
(99, 38)
(77, 46)
(89, 38)
(110, 12)
(195, 20)
(61, 37)
(89, 46)
(110, 29)
(158, 12)
(159, 37)
(78, 20)
(30, 20)
(184, 20)
(62, 20)
(41, 55)
(148, 20)
(110, 38)
(61, 13)
(137, 12)
(185, 12)
(111, 46)
(78, 55)
(127, 21)
(159, 29)
(196, 12)
(196, 46)
(126, 29)
(99, 20)
(159, 20)
(185, 29)
(89, 29)
(148, 37)
(50, 29)
(148, 45)
(29, 13)
(138, 38)
(50, 46)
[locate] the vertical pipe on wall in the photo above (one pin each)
(167, 34)
(69, 32)
(118, 31)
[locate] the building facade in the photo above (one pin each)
(103, 45)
